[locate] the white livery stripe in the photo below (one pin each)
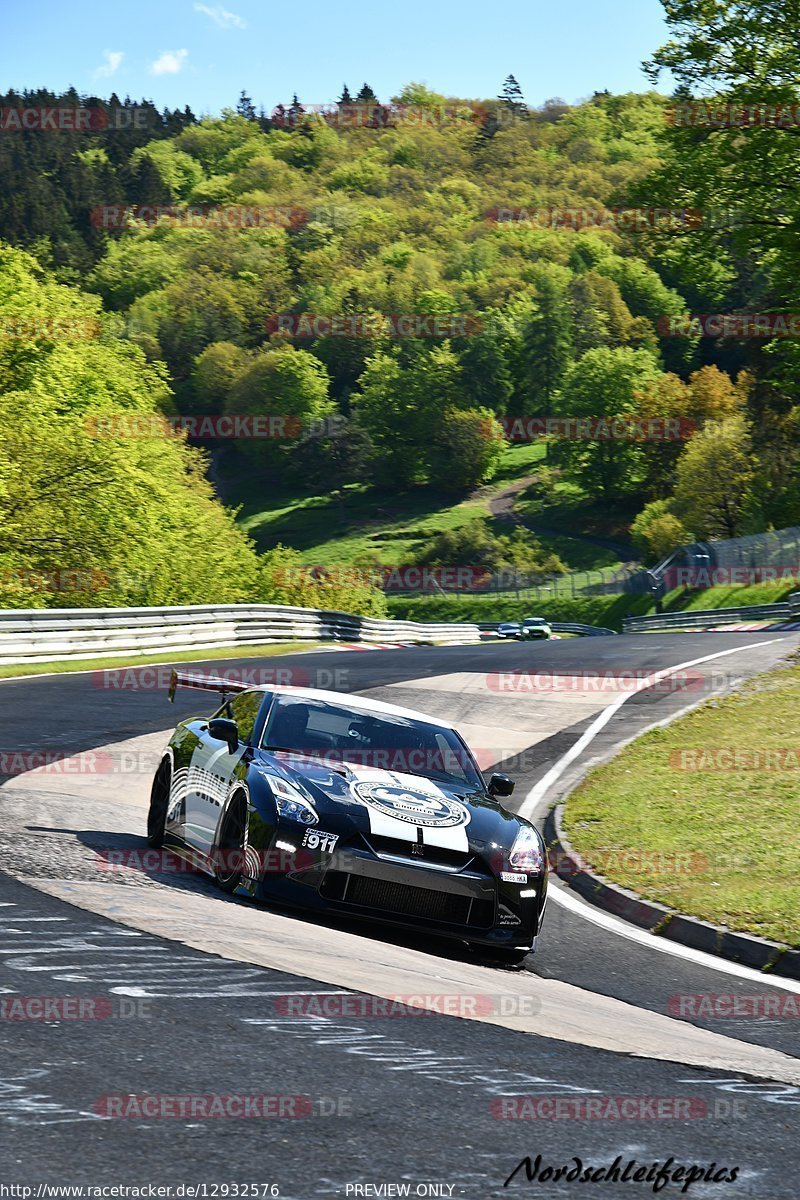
(443, 822)
(453, 837)
(385, 826)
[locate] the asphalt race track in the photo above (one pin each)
(189, 993)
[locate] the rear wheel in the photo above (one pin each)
(228, 858)
(159, 803)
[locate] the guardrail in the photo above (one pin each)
(557, 627)
(584, 630)
(49, 634)
(713, 616)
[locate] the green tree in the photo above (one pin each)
(335, 453)
(729, 45)
(245, 107)
(664, 405)
(605, 385)
(656, 532)
(288, 385)
(546, 344)
(215, 372)
(469, 448)
(94, 488)
(511, 97)
(402, 407)
(714, 479)
(486, 373)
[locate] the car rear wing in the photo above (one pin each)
(206, 683)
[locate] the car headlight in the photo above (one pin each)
(527, 853)
(290, 801)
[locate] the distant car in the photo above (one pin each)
(509, 629)
(535, 627)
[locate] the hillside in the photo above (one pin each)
(395, 298)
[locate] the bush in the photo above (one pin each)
(657, 531)
(284, 578)
(474, 544)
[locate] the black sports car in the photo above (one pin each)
(350, 805)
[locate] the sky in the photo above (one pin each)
(204, 53)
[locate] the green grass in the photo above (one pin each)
(739, 827)
(107, 663)
(735, 596)
(362, 524)
(606, 611)
(564, 505)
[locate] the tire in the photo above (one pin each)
(159, 803)
(228, 854)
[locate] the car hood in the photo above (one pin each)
(395, 804)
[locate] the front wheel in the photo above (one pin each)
(159, 803)
(228, 857)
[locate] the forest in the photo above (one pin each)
(396, 285)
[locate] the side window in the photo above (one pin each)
(244, 708)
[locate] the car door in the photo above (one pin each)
(212, 769)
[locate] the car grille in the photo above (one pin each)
(406, 901)
(420, 855)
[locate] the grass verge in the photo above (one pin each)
(678, 798)
(141, 660)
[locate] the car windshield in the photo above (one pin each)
(386, 741)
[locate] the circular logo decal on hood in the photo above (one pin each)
(413, 807)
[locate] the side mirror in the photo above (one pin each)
(500, 785)
(222, 729)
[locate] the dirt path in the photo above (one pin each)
(502, 507)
